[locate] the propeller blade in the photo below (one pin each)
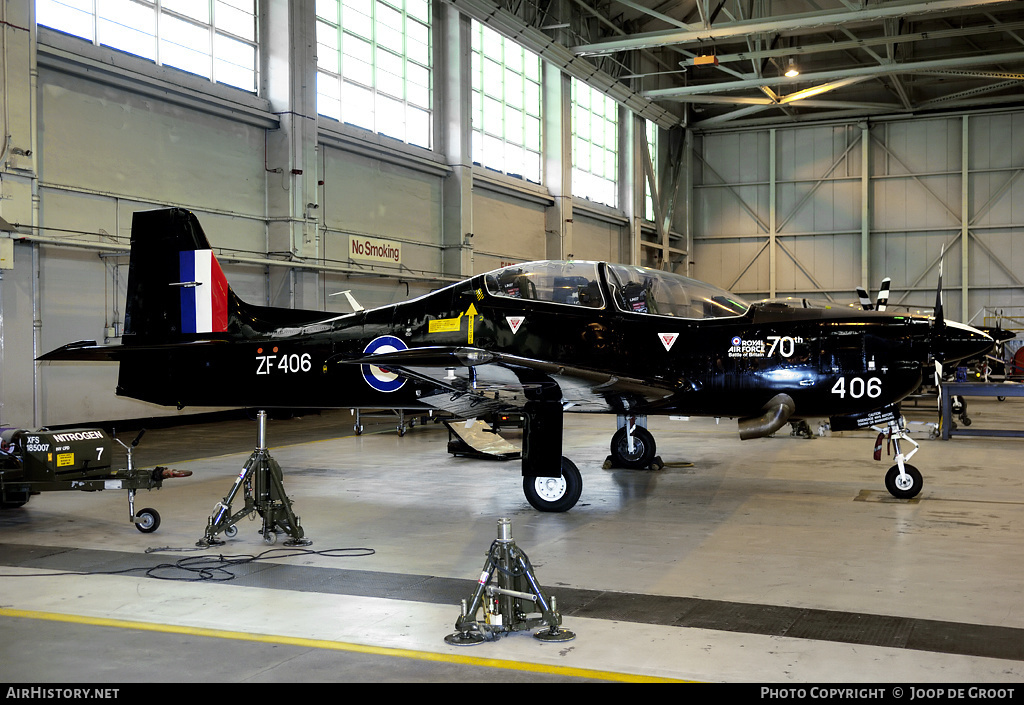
(883, 294)
(865, 300)
(939, 320)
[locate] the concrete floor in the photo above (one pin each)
(778, 560)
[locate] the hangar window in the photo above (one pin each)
(595, 145)
(652, 148)
(374, 66)
(215, 39)
(574, 283)
(506, 105)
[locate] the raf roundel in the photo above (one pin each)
(381, 379)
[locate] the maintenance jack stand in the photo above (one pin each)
(505, 603)
(263, 486)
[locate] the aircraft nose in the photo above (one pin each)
(958, 341)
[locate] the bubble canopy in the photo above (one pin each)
(631, 289)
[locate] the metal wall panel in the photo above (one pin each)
(506, 229)
(595, 239)
(997, 206)
(931, 183)
(363, 196)
(110, 140)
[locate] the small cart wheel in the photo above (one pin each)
(231, 532)
(148, 520)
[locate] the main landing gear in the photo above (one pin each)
(555, 494)
(633, 445)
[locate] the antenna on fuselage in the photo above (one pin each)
(351, 299)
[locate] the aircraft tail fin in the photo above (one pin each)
(175, 285)
(177, 291)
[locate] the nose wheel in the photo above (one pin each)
(904, 485)
(903, 480)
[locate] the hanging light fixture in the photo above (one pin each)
(792, 71)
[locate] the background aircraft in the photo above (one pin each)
(541, 338)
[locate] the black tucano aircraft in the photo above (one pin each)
(540, 338)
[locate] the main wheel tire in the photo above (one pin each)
(149, 520)
(555, 494)
(644, 448)
(904, 489)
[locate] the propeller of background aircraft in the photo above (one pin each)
(883, 297)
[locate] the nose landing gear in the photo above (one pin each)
(903, 480)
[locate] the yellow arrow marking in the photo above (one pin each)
(452, 325)
(471, 312)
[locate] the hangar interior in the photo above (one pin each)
(385, 148)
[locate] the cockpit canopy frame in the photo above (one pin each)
(631, 289)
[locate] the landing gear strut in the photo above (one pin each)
(633, 445)
(261, 481)
(903, 480)
(542, 443)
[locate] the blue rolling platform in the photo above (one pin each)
(976, 389)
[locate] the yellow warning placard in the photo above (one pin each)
(454, 325)
(65, 459)
(445, 325)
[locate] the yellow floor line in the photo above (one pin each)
(337, 646)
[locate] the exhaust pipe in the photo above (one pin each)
(776, 413)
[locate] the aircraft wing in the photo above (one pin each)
(501, 381)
